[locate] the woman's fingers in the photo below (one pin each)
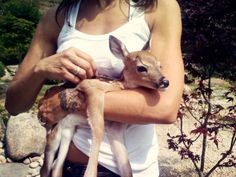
(67, 75)
(86, 68)
(76, 69)
(86, 57)
(84, 61)
(71, 64)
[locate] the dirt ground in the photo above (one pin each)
(172, 166)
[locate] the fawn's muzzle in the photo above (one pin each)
(163, 83)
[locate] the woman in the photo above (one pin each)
(74, 46)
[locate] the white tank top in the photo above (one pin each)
(140, 140)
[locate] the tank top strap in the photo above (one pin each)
(72, 14)
(135, 12)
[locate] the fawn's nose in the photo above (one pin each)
(163, 83)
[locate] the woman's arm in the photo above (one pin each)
(42, 63)
(26, 84)
(142, 106)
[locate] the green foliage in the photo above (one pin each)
(209, 35)
(17, 24)
(24, 9)
(2, 70)
(4, 115)
(15, 36)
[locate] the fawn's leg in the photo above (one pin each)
(68, 125)
(95, 91)
(66, 137)
(115, 134)
(96, 121)
(53, 141)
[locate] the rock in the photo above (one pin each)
(25, 136)
(26, 161)
(35, 159)
(9, 160)
(13, 170)
(3, 159)
(1, 144)
(34, 165)
(2, 151)
(33, 171)
(41, 162)
(35, 175)
(9, 73)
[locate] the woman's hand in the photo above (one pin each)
(72, 65)
(50, 106)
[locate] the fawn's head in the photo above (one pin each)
(141, 67)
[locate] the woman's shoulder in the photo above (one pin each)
(52, 17)
(167, 7)
(51, 23)
(164, 9)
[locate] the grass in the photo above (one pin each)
(4, 114)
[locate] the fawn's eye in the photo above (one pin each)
(141, 69)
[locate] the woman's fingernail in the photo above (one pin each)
(77, 80)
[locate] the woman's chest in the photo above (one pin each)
(96, 20)
(135, 35)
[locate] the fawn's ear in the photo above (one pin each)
(117, 47)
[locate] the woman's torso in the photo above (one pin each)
(135, 34)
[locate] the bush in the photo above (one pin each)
(17, 23)
(15, 37)
(23, 9)
(2, 69)
(209, 35)
(4, 115)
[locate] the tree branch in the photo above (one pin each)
(232, 143)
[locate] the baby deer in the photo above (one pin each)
(141, 70)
